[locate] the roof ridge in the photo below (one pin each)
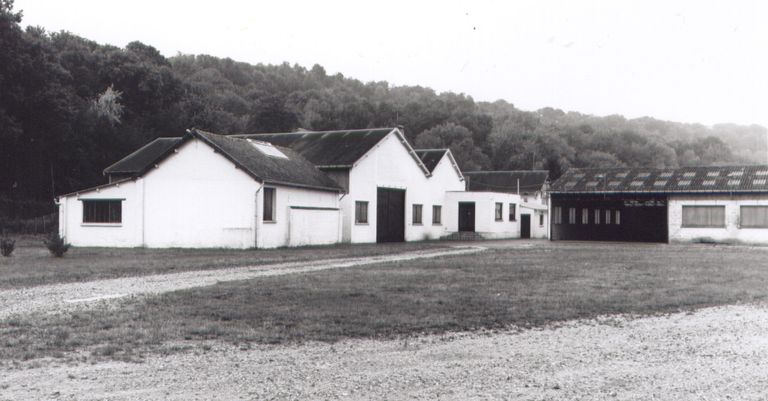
(315, 132)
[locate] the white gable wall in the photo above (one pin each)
(389, 165)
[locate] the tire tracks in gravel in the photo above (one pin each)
(56, 298)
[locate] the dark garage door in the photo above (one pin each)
(390, 215)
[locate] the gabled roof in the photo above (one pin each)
(292, 170)
(731, 179)
(529, 181)
(143, 158)
(334, 149)
(431, 158)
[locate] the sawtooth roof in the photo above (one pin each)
(146, 156)
(430, 157)
(730, 179)
(506, 181)
(327, 149)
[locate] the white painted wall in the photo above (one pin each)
(313, 226)
(389, 165)
(485, 213)
(195, 198)
(732, 232)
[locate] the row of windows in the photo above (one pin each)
(361, 213)
(588, 216)
(714, 216)
(499, 212)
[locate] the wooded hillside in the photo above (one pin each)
(70, 107)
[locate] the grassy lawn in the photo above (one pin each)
(501, 287)
(32, 265)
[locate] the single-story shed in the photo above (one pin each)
(688, 204)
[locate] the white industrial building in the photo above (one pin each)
(288, 189)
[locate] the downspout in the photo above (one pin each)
(143, 213)
(256, 217)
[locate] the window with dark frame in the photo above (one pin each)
(269, 204)
(512, 212)
(541, 219)
(618, 217)
(437, 214)
(597, 216)
(607, 216)
(361, 212)
(572, 215)
(558, 215)
(704, 216)
(499, 211)
(417, 214)
(584, 216)
(754, 216)
(103, 211)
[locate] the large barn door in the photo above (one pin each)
(390, 215)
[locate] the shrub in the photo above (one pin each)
(56, 245)
(7, 246)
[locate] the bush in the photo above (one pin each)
(56, 245)
(7, 246)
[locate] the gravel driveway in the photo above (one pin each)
(713, 354)
(65, 297)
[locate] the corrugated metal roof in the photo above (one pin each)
(506, 181)
(327, 148)
(147, 155)
(685, 179)
(430, 157)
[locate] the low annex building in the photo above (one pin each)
(280, 189)
(689, 204)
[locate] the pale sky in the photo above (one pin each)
(688, 61)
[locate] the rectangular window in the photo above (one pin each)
(361, 212)
(541, 220)
(416, 214)
(103, 211)
(754, 216)
(584, 216)
(597, 216)
(269, 204)
(558, 217)
(499, 211)
(703, 216)
(571, 215)
(607, 216)
(437, 214)
(618, 217)
(512, 212)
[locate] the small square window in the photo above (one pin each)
(361, 212)
(417, 214)
(437, 214)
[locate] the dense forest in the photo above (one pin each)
(70, 107)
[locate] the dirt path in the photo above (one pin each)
(65, 297)
(713, 354)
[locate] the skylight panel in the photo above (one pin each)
(758, 182)
(592, 184)
(684, 183)
(267, 149)
(614, 183)
(578, 176)
(736, 173)
(733, 183)
(708, 183)
(689, 174)
(713, 174)
(660, 183)
(666, 174)
(761, 172)
(622, 174)
(570, 184)
(636, 184)
(643, 175)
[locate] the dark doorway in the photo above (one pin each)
(390, 215)
(525, 226)
(467, 216)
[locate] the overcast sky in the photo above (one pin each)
(690, 61)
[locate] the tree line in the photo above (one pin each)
(70, 107)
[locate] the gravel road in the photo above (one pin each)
(65, 297)
(713, 354)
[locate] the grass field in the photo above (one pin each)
(501, 287)
(31, 264)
